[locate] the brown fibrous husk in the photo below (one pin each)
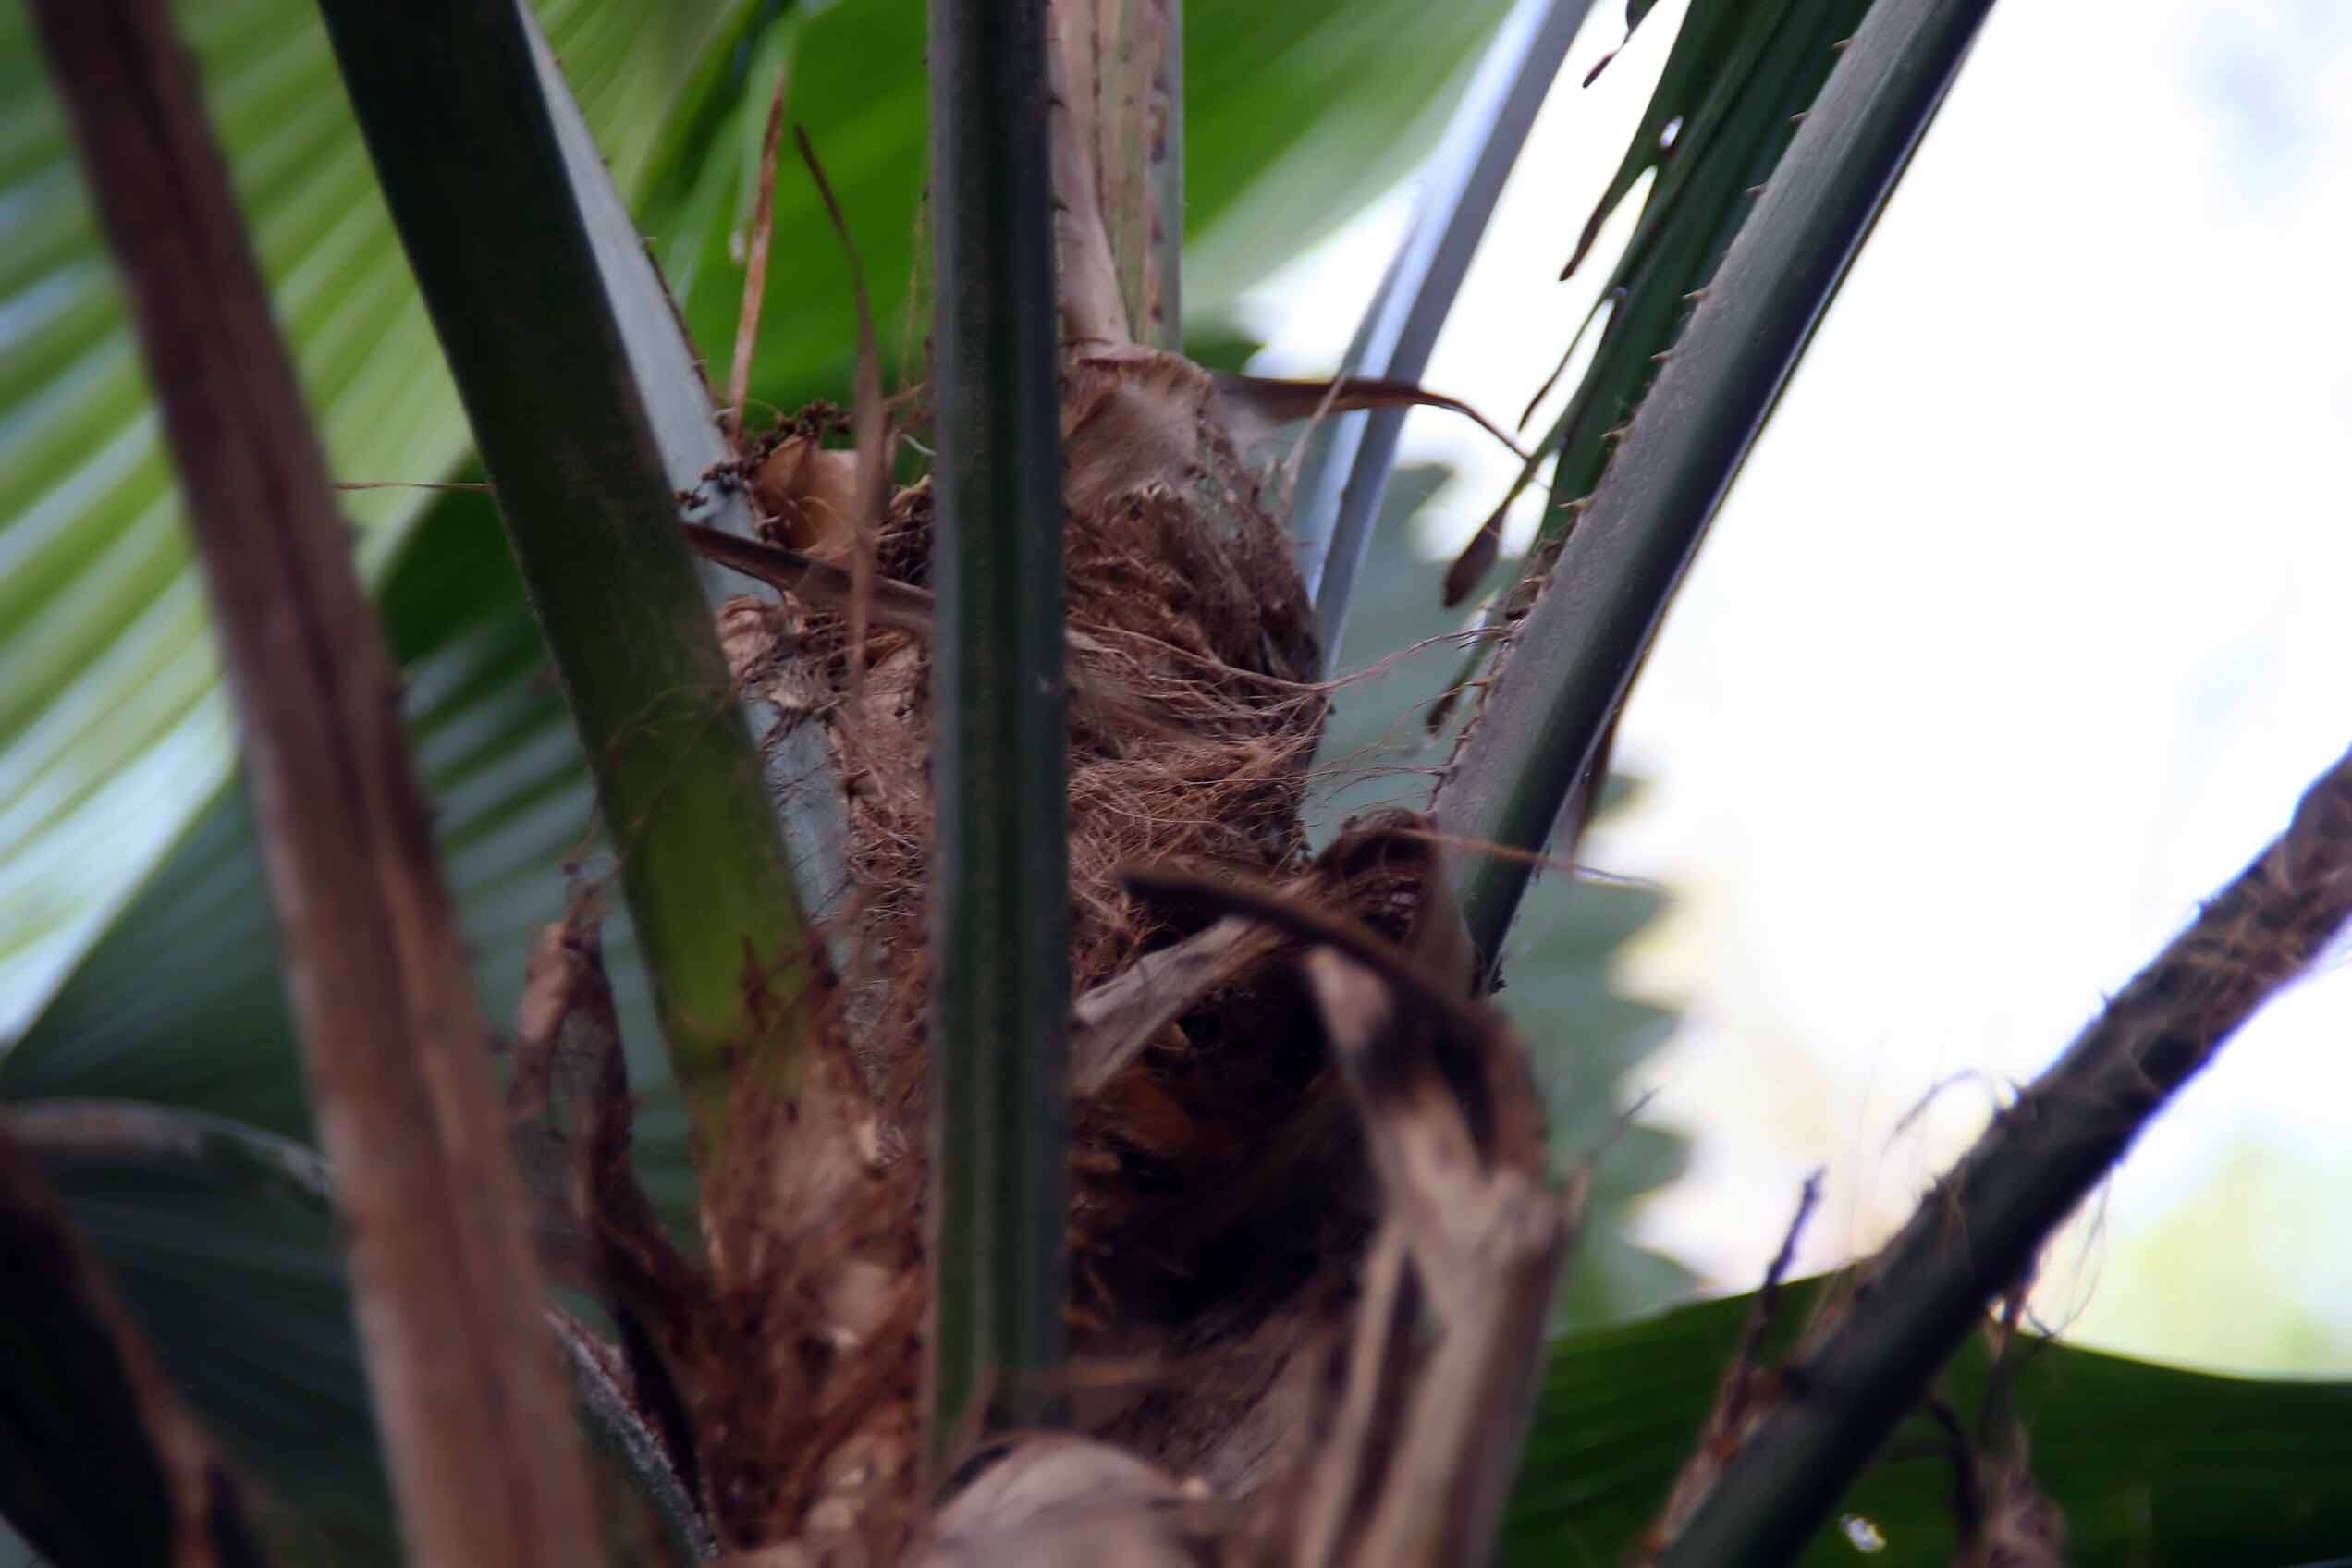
(1219, 1195)
(1193, 718)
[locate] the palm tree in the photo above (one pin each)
(1084, 1165)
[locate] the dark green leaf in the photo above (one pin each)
(219, 1238)
(999, 862)
(1731, 91)
(229, 1266)
(1575, 654)
(492, 180)
(99, 1462)
(2151, 1466)
(1717, 39)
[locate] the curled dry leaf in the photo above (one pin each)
(1421, 1460)
(1416, 1449)
(2005, 1519)
(569, 1117)
(1126, 1013)
(1051, 1500)
(1255, 403)
(567, 1072)
(2017, 1526)
(808, 493)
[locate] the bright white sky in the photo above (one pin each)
(2024, 627)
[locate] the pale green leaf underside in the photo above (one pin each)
(181, 1002)
(113, 733)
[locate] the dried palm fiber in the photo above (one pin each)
(1192, 650)
(1221, 1199)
